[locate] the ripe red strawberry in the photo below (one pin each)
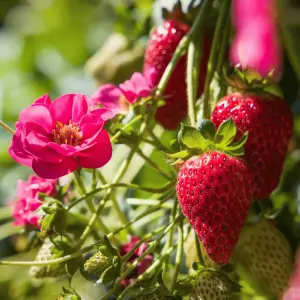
(215, 192)
(268, 119)
(161, 46)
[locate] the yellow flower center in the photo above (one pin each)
(69, 134)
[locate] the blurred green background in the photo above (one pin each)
(44, 45)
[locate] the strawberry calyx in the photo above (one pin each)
(205, 137)
(69, 294)
(246, 79)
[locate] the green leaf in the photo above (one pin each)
(226, 133)
(206, 128)
(238, 144)
(181, 154)
(236, 152)
(191, 137)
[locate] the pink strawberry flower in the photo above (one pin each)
(139, 85)
(110, 97)
(28, 200)
(256, 45)
(118, 98)
(143, 265)
(55, 138)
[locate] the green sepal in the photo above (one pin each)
(181, 154)
(237, 148)
(109, 275)
(197, 266)
(184, 287)
(55, 222)
(226, 133)
(105, 247)
(240, 143)
(191, 137)
(69, 294)
(206, 128)
(175, 146)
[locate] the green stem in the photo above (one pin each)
(193, 69)
(212, 62)
(147, 202)
(182, 47)
(89, 201)
(116, 180)
(289, 44)
(157, 142)
(140, 242)
(47, 262)
(94, 179)
(171, 235)
(198, 249)
(7, 128)
(154, 165)
(83, 192)
(125, 185)
(139, 217)
(115, 203)
(128, 125)
(178, 256)
(223, 47)
(148, 272)
(150, 249)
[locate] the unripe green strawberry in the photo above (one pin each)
(266, 257)
(50, 251)
(211, 285)
(97, 264)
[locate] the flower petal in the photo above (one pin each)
(108, 96)
(36, 143)
(63, 149)
(43, 100)
(99, 155)
(69, 107)
(49, 170)
(105, 114)
(38, 114)
(17, 151)
(90, 125)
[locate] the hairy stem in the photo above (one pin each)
(124, 185)
(48, 262)
(212, 62)
(128, 125)
(178, 255)
(116, 180)
(198, 249)
(139, 217)
(150, 249)
(170, 236)
(148, 272)
(154, 165)
(7, 128)
(193, 70)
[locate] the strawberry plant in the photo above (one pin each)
(207, 122)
